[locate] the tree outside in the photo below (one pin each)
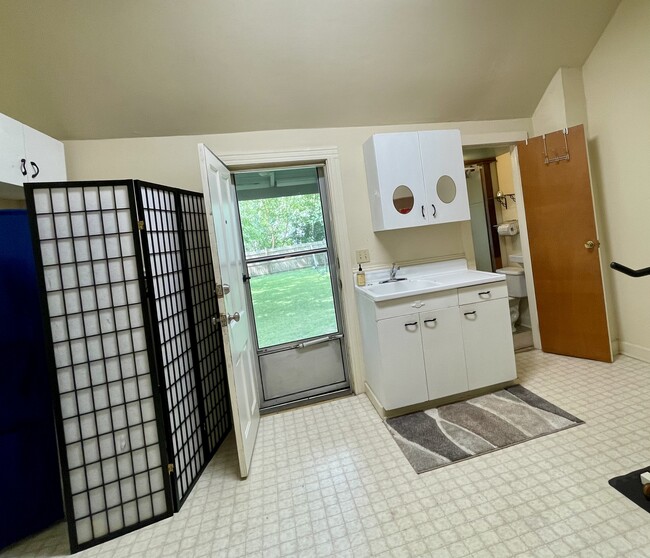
(283, 222)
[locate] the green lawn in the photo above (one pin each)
(293, 305)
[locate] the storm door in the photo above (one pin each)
(292, 280)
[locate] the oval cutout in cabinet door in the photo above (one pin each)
(446, 189)
(403, 199)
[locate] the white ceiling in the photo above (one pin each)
(81, 69)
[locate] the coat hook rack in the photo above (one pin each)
(565, 157)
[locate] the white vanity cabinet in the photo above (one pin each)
(485, 322)
(27, 155)
(415, 179)
(444, 356)
(437, 344)
(400, 346)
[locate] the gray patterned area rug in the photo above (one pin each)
(438, 437)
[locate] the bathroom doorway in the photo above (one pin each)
(492, 201)
(292, 283)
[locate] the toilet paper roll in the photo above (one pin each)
(508, 229)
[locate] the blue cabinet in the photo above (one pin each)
(30, 483)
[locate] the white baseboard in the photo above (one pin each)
(635, 351)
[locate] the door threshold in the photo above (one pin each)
(306, 401)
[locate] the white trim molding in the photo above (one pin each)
(329, 156)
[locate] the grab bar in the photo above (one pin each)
(631, 272)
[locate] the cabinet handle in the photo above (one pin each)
(423, 217)
(23, 170)
(434, 210)
(472, 313)
(411, 324)
(430, 320)
(486, 293)
(35, 169)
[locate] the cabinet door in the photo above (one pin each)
(404, 381)
(12, 150)
(444, 356)
(444, 176)
(45, 157)
(400, 180)
(487, 336)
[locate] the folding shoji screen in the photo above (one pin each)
(130, 401)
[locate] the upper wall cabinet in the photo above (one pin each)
(27, 155)
(415, 179)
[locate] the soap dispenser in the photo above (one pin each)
(361, 277)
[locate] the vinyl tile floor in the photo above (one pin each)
(328, 480)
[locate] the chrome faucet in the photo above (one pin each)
(391, 276)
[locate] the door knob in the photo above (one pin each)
(590, 244)
(233, 317)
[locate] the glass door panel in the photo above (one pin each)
(292, 299)
(292, 283)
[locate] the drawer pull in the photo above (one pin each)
(472, 313)
(484, 293)
(410, 324)
(430, 320)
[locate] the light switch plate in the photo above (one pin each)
(363, 256)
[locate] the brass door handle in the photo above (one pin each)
(590, 244)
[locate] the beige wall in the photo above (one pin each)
(12, 204)
(174, 161)
(563, 103)
(617, 90)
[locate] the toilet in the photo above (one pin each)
(516, 283)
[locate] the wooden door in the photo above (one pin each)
(241, 356)
(561, 227)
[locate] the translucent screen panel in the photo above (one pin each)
(292, 299)
(164, 264)
(214, 383)
(112, 456)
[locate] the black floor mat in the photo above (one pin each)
(630, 486)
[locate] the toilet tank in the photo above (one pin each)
(515, 280)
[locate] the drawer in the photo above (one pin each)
(482, 293)
(420, 303)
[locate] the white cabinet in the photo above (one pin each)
(444, 176)
(427, 347)
(416, 179)
(444, 357)
(27, 155)
(12, 150)
(405, 382)
(487, 338)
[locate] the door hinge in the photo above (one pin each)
(223, 319)
(140, 225)
(170, 468)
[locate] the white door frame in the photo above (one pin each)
(329, 156)
(510, 139)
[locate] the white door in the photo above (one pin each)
(404, 382)
(444, 354)
(487, 337)
(241, 357)
(444, 176)
(401, 185)
(12, 151)
(45, 157)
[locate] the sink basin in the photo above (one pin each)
(403, 288)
